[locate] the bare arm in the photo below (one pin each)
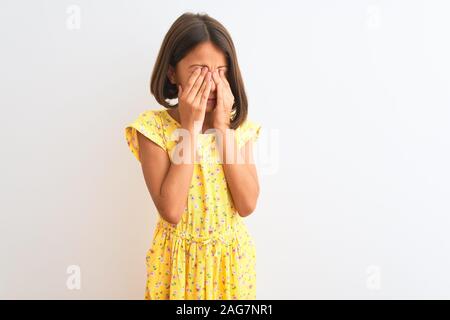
(167, 182)
(240, 173)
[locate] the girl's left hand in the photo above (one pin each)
(224, 101)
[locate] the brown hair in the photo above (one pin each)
(186, 32)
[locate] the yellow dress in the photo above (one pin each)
(209, 254)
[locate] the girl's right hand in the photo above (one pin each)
(192, 100)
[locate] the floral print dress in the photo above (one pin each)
(209, 254)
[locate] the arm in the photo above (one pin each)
(167, 182)
(240, 173)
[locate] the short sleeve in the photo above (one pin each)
(249, 131)
(149, 124)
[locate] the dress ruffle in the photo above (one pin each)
(218, 266)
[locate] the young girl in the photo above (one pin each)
(201, 248)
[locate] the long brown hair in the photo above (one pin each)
(186, 32)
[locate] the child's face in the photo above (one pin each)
(205, 54)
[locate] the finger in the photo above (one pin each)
(205, 95)
(200, 92)
(225, 82)
(216, 78)
(192, 79)
(224, 78)
(220, 95)
(198, 83)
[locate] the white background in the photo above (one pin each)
(353, 98)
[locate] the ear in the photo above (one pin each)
(171, 75)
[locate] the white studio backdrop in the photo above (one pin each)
(353, 98)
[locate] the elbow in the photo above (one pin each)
(248, 206)
(170, 215)
(246, 210)
(172, 219)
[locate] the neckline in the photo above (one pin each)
(166, 112)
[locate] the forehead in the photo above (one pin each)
(205, 53)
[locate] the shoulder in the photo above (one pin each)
(150, 117)
(150, 121)
(251, 125)
(150, 124)
(248, 130)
